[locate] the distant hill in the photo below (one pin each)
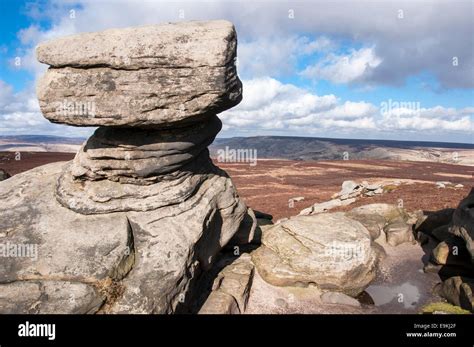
(285, 147)
(312, 148)
(40, 143)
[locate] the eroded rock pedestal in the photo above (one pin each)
(141, 211)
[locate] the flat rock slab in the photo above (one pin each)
(151, 76)
(185, 44)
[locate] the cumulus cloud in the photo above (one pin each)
(277, 56)
(435, 119)
(422, 37)
(355, 66)
(271, 105)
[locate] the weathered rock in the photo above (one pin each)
(49, 297)
(129, 225)
(326, 206)
(440, 253)
(391, 219)
(339, 299)
(348, 187)
(70, 248)
(141, 157)
(48, 249)
(462, 224)
(372, 221)
(388, 211)
(297, 199)
(220, 302)
(458, 291)
(384, 217)
(328, 250)
(235, 281)
(93, 197)
(148, 76)
(451, 251)
(174, 244)
(433, 220)
(398, 232)
(247, 232)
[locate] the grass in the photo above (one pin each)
(443, 307)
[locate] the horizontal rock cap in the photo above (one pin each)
(147, 77)
(183, 44)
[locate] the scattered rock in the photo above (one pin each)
(297, 199)
(348, 187)
(451, 251)
(398, 232)
(378, 191)
(326, 206)
(301, 251)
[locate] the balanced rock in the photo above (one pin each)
(328, 250)
(148, 76)
(141, 212)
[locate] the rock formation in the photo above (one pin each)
(327, 250)
(141, 211)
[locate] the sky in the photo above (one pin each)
(399, 70)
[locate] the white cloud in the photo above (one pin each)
(270, 104)
(276, 56)
(356, 65)
(435, 119)
(426, 39)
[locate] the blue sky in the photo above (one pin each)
(311, 69)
